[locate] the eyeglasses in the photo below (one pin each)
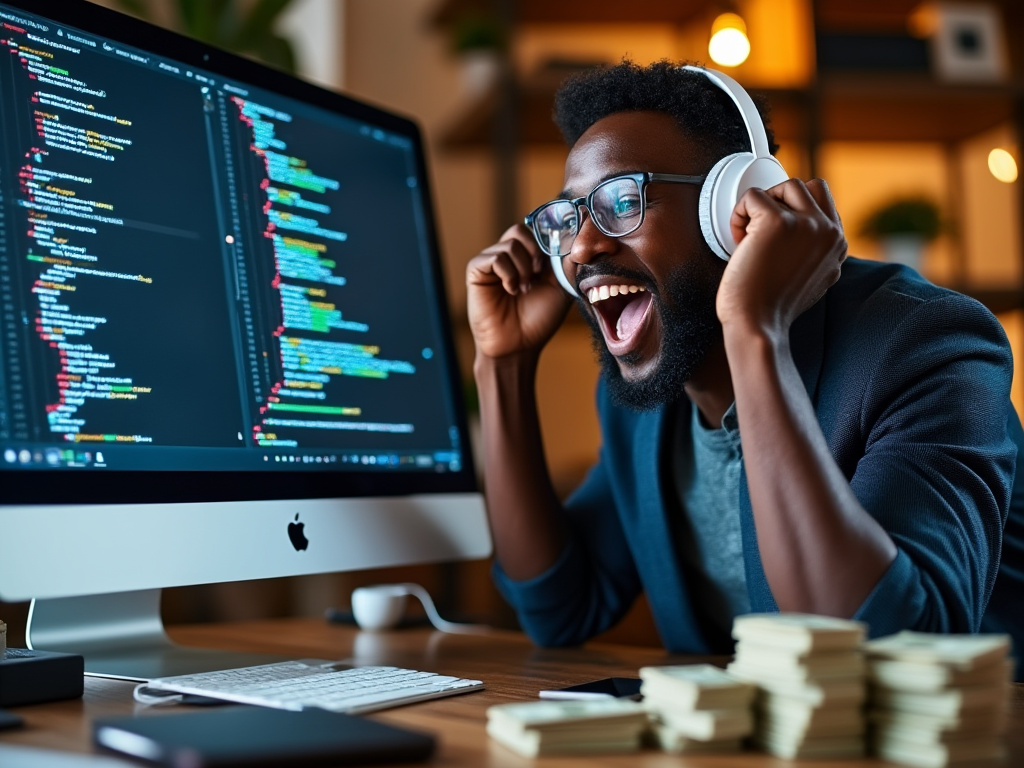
(617, 207)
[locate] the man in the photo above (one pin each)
(788, 430)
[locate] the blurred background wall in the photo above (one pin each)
(880, 128)
(883, 99)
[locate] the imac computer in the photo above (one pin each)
(225, 349)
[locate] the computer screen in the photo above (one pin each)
(225, 337)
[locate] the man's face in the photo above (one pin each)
(654, 334)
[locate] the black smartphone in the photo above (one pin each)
(606, 688)
(9, 720)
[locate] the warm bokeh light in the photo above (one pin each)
(923, 22)
(729, 46)
(1002, 165)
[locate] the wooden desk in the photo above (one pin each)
(511, 668)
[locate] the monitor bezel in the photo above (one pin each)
(105, 486)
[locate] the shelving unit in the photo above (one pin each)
(855, 106)
(845, 108)
(547, 12)
(907, 108)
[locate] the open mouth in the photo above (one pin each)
(621, 312)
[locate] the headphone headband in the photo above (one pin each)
(751, 117)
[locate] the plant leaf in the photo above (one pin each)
(228, 23)
(189, 11)
(259, 23)
(203, 19)
(276, 51)
(223, 23)
(135, 7)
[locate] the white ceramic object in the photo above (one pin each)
(379, 607)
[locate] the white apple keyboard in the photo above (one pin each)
(311, 683)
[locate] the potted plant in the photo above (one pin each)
(477, 40)
(243, 27)
(903, 226)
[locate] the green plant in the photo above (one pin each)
(476, 31)
(918, 215)
(243, 27)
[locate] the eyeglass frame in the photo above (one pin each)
(643, 179)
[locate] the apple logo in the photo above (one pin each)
(298, 538)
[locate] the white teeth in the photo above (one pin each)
(607, 291)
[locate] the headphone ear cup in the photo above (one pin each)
(725, 184)
(708, 204)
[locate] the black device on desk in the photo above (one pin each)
(254, 736)
(33, 677)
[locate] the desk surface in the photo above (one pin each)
(511, 668)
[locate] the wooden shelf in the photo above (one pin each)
(884, 107)
(875, 15)
(474, 128)
(849, 108)
(604, 11)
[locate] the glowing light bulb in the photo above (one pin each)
(729, 46)
(1002, 165)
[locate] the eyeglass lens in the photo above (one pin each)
(615, 205)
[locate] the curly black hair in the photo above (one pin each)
(704, 111)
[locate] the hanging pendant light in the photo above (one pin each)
(729, 46)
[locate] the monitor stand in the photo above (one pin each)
(121, 636)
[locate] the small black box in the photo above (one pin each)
(32, 677)
(842, 52)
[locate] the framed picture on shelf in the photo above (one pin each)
(968, 44)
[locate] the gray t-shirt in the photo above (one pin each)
(706, 467)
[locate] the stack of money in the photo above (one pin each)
(568, 727)
(809, 671)
(938, 700)
(697, 708)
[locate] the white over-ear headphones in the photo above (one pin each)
(735, 174)
(728, 179)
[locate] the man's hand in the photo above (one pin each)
(515, 306)
(514, 302)
(790, 250)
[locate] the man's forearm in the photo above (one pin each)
(821, 551)
(524, 511)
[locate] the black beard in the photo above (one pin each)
(690, 323)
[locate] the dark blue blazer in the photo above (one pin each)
(910, 383)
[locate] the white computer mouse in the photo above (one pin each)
(379, 607)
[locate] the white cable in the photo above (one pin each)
(155, 697)
(435, 618)
(381, 606)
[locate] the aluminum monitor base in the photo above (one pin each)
(121, 636)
